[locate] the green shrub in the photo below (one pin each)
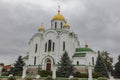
(44, 73)
(5, 74)
(28, 78)
(49, 78)
(102, 78)
(74, 79)
(77, 74)
(96, 75)
(19, 73)
(83, 75)
(11, 78)
(80, 75)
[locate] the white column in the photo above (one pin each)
(111, 78)
(37, 77)
(90, 72)
(1, 70)
(70, 77)
(54, 72)
(44, 66)
(24, 72)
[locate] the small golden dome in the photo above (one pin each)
(58, 16)
(41, 28)
(66, 25)
(86, 44)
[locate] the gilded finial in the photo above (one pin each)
(58, 9)
(86, 44)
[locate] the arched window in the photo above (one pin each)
(53, 46)
(55, 24)
(77, 62)
(61, 25)
(93, 61)
(64, 46)
(36, 48)
(49, 45)
(45, 47)
(35, 60)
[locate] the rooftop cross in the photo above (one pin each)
(58, 9)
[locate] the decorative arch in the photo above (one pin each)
(64, 32)
(48, 56)
(48, 62)
(50, 31)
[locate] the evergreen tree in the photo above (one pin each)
(65, 68)
(18, 66)
(100, 66)
(117, 68)
(107, 60)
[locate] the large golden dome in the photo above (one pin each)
(58, 16)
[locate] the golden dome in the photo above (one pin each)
(58, 16)
(41, 28)
(86, 44)
(66, 25)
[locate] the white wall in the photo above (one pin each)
(58, 50)
(82, 60)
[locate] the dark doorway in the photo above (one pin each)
(48, 64)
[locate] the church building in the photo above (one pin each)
(48, 45)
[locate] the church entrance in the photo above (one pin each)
(48, 64)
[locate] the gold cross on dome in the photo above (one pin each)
(58, 9)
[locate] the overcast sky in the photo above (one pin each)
(95, 21)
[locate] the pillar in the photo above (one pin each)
(90, 72)
(24, 72)
(37, 77)
(111, 78)
(54, 72)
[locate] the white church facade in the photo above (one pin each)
(47, 46)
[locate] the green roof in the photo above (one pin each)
(79, 55)
(83, 49)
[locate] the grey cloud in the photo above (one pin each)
(97, 22)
